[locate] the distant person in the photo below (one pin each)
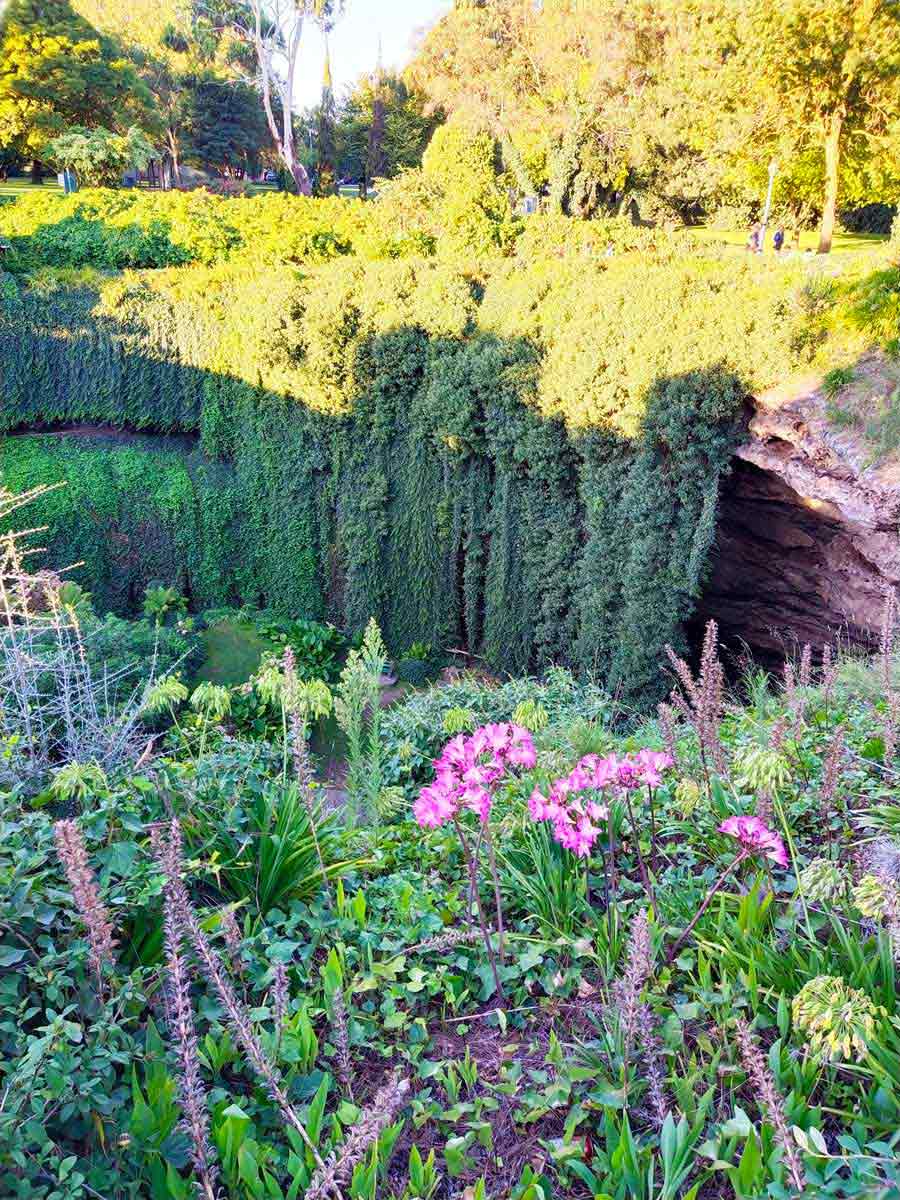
(778, 240)
(754, 242)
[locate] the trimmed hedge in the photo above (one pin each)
(524, 462)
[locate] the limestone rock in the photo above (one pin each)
(809, 532)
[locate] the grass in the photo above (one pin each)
(809, 239)
(867, 400)
(21, 187)
(232, 651)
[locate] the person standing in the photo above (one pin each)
(778, 240)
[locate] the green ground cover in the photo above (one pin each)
(24, 187)
(844, 243)
(232, 650)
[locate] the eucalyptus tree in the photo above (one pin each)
(265, 37)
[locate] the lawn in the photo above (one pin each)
(809, 239)
(232, 651)
(22, 186)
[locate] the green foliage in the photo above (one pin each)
(57, 71)
(466, 459)
(357, 707)
(474, 210)
(836, 380)
(263, 847)
(663, 1108)
(162, 603)
(382, 128)
(415, 729)
(99, 157)
(317, 648)
(139, 515)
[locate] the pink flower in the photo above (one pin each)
(537, 806)
(433, 807)
(468, 770)
(756, 837)
(650, 764)
(572, 806)
(605, 771)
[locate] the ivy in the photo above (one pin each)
(522, 462)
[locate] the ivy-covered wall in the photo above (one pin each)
(522, 461)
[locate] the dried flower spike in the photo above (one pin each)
(181, 1028)
(169, 854)
(769, 1100)
(339, 1026)
(85, 892)
(233, 939)
(638, 967)
(700, 701)
(376, 1117)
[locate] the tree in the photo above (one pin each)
(326, 153)
(133, 22)
(382, 128)
(98, 156)
(272, 31)
(814, 84)
(57, 71)
(554, 82)
(224, 129)
(828, 75)
(472, 205)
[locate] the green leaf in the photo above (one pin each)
(739, 1125)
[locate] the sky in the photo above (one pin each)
(354, 42)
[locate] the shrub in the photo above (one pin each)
(98, 156)
(414, 730)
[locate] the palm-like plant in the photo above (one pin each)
(269, 857)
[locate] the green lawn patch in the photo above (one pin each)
(232, 652)
(809, 239)
(23, 187)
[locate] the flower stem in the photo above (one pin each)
(497, 904)
(676, 946)
(473, 879)
(642, 866)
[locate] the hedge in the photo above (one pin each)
(111, 230)
(521, 461)
(131, 511)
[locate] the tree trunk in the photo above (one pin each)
(37, 171)
(513, 159)
(301, 179)
(173, 154)
(832, 165)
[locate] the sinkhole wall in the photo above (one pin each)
(520, 459)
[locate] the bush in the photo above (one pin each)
(98, 156)
(869, 218)
(414, 730)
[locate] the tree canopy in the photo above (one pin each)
(382, 128)
(682, 103)
(57, 70)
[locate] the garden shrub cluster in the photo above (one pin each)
(703, 1003)
(520, 459)
(112, 230)
(418, 214)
